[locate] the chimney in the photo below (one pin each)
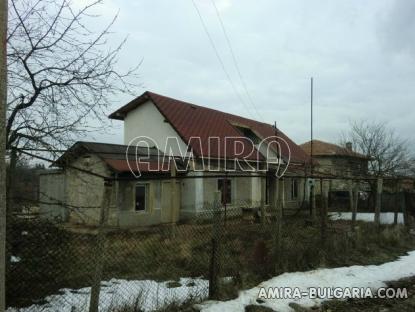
(349, 146)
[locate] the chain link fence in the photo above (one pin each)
(53, 266)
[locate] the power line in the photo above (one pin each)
(235, 62)
(212, 43)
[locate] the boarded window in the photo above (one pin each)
(294, 189)
(140, 197)
(225, 186)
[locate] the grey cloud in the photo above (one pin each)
(358, 52)
(397, 27)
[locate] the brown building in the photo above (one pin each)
(334, 160)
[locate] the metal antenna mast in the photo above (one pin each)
(311, 125)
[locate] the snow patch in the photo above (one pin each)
(373, 276)
(385, 217)
(149, 295)
(15, 259)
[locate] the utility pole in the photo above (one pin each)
(3, 101)
(311, 123)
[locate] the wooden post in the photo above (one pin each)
(10, 203)
(215, 254)
(263, 196)
(378, 203)
(324, 209)
(3, 139)
(100, 252)
(355, 203)
(351, 198)
(403, 208)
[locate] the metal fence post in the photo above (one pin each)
(324, 209)
(313, 201)
(396, 209)
(378, 203)
(100, 252)
(355, 203)
(215, 254)
(277, 241)
(263, 196)
(351, 198)
(174, 201)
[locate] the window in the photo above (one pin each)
(294, 188)
(225, 186)
(87, 160)
(248, 133)
(140, 197)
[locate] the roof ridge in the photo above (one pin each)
(207, 122)
(150, 93)
(102, 143)
(317, 140)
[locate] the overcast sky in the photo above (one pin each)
(360, 53)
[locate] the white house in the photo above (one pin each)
(214, 152)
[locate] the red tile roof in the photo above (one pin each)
(120, 158)
(190, 120)
(122, 165)
(321, 148)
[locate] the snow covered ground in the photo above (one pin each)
(372, 276)
(149, 295)
(385, 217)
(15, 259)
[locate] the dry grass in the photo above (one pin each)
(55, 259)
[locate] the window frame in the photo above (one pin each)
(248, 133)
(146, 197)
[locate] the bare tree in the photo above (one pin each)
(3, 102)
(411, 171)
(60, 72)
(389, 154)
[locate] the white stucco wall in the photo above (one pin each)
(146, 120)
(197, 193)
(52, 190)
